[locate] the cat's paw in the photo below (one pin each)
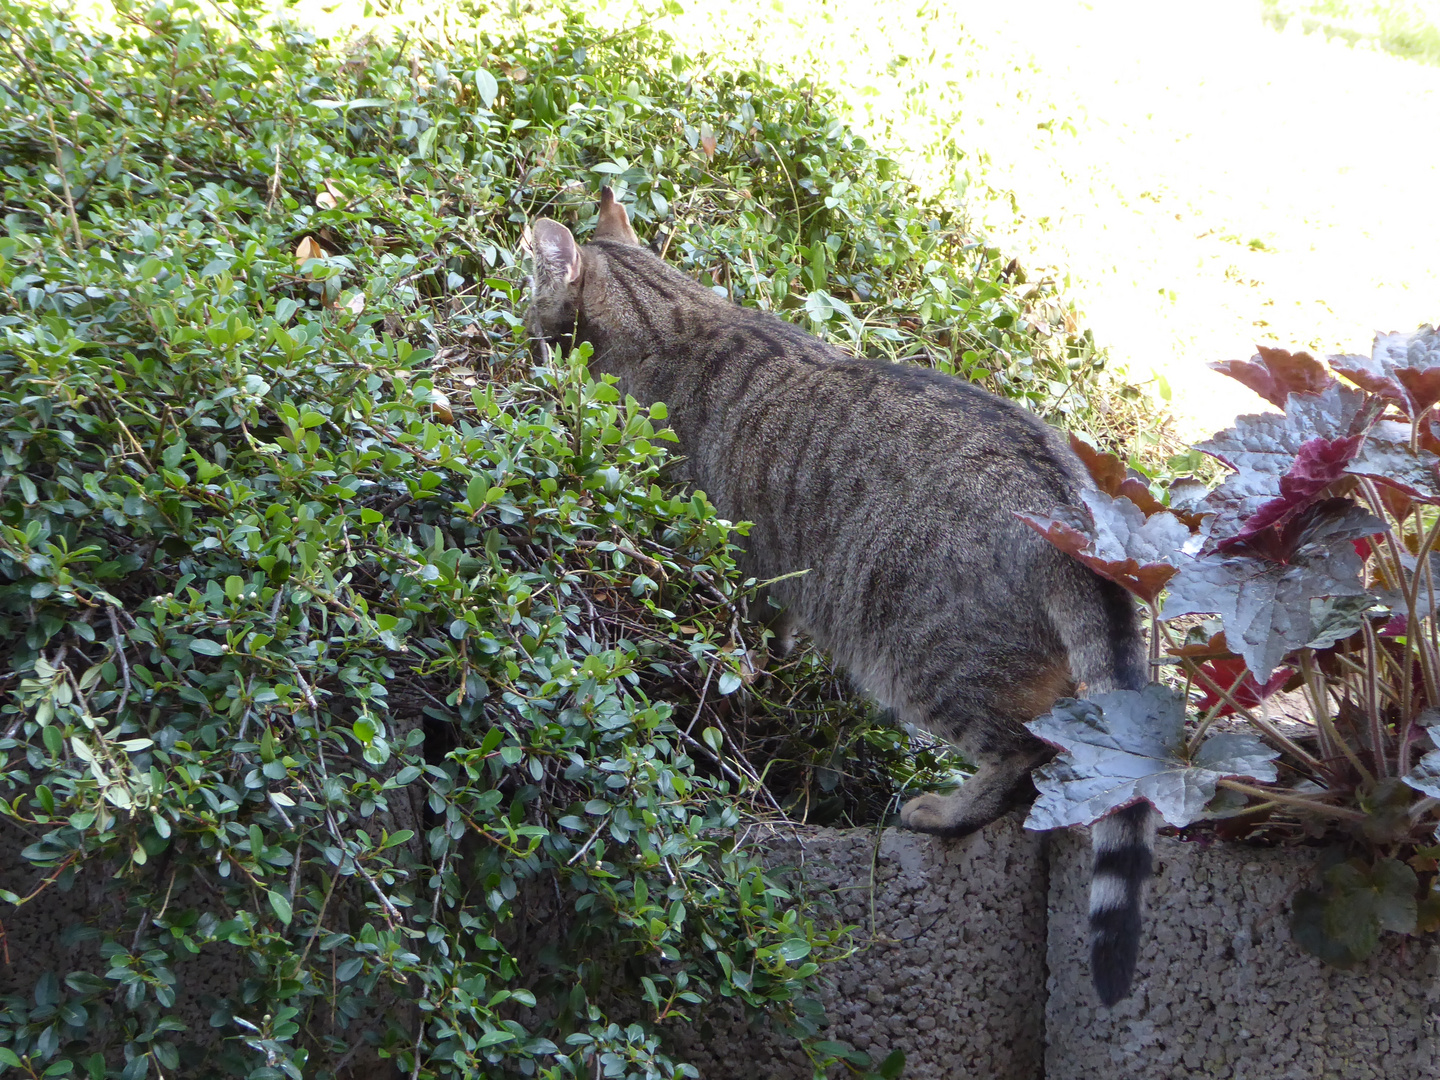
(939, 814)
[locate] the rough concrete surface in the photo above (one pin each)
(952, 972)
(1222, 991)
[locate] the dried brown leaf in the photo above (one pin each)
(308, 248)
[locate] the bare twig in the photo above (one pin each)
(275, 178)
(319, 921)
(1320, 706)
(305, 689)
(594, 835)
(700, 705)
(54, 140)
(392, 913)
(120, 651)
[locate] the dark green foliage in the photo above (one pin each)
(348, 651)
(1341, 924)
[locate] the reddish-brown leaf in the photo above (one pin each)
(1423, 386)
(1107, 470)
(1139, 493)
(1404, 369)
(1111, 477)
(1214, 648)
(1275, 374)
(1402, 473)
(1115, 539)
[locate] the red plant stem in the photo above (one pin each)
(1402, 756)
(1209, 717)
(1192, 669)
(1430, 602)
(1275, 734)
(1154, 636)
(1426, 648)
(1320, 702)
(1414, 632)
(1372, 700)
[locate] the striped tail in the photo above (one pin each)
(1099, 625)
(1123, 844)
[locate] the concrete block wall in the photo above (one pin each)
(1222, 991)
(952, 969)
(977, 966)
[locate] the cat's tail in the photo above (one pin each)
(1123, 845)
(1102, 634)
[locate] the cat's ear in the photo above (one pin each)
(614, 222)
(557, 258)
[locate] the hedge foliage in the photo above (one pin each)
(348, 652)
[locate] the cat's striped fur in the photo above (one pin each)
(895, 486)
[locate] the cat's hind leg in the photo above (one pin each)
(998, 786)
(984, 716)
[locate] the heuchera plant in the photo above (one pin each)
(1316, 560)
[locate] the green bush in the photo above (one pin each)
(345, 649)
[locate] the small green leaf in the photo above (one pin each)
(281, 906)
(794, 949)
(486, 86)
(892, 1066)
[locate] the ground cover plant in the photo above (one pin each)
(1317, 557)
(348, 650)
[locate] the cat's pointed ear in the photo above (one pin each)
(614, 222)
(557, 258)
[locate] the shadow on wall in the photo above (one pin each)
(978, 969)
(976, 966)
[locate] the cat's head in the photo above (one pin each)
(558, 284)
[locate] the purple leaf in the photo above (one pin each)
(1401, 368)
(1325, 520)
(1319, 463)
(1275, 374)
(1130, 745)
(1387, 458)
(1284, 463)
(1264, 604)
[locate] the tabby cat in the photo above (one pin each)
(896, 487)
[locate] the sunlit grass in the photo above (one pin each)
(1201, 181)
(1410, 30)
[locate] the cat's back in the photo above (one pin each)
(786, 402)
(771, 416)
